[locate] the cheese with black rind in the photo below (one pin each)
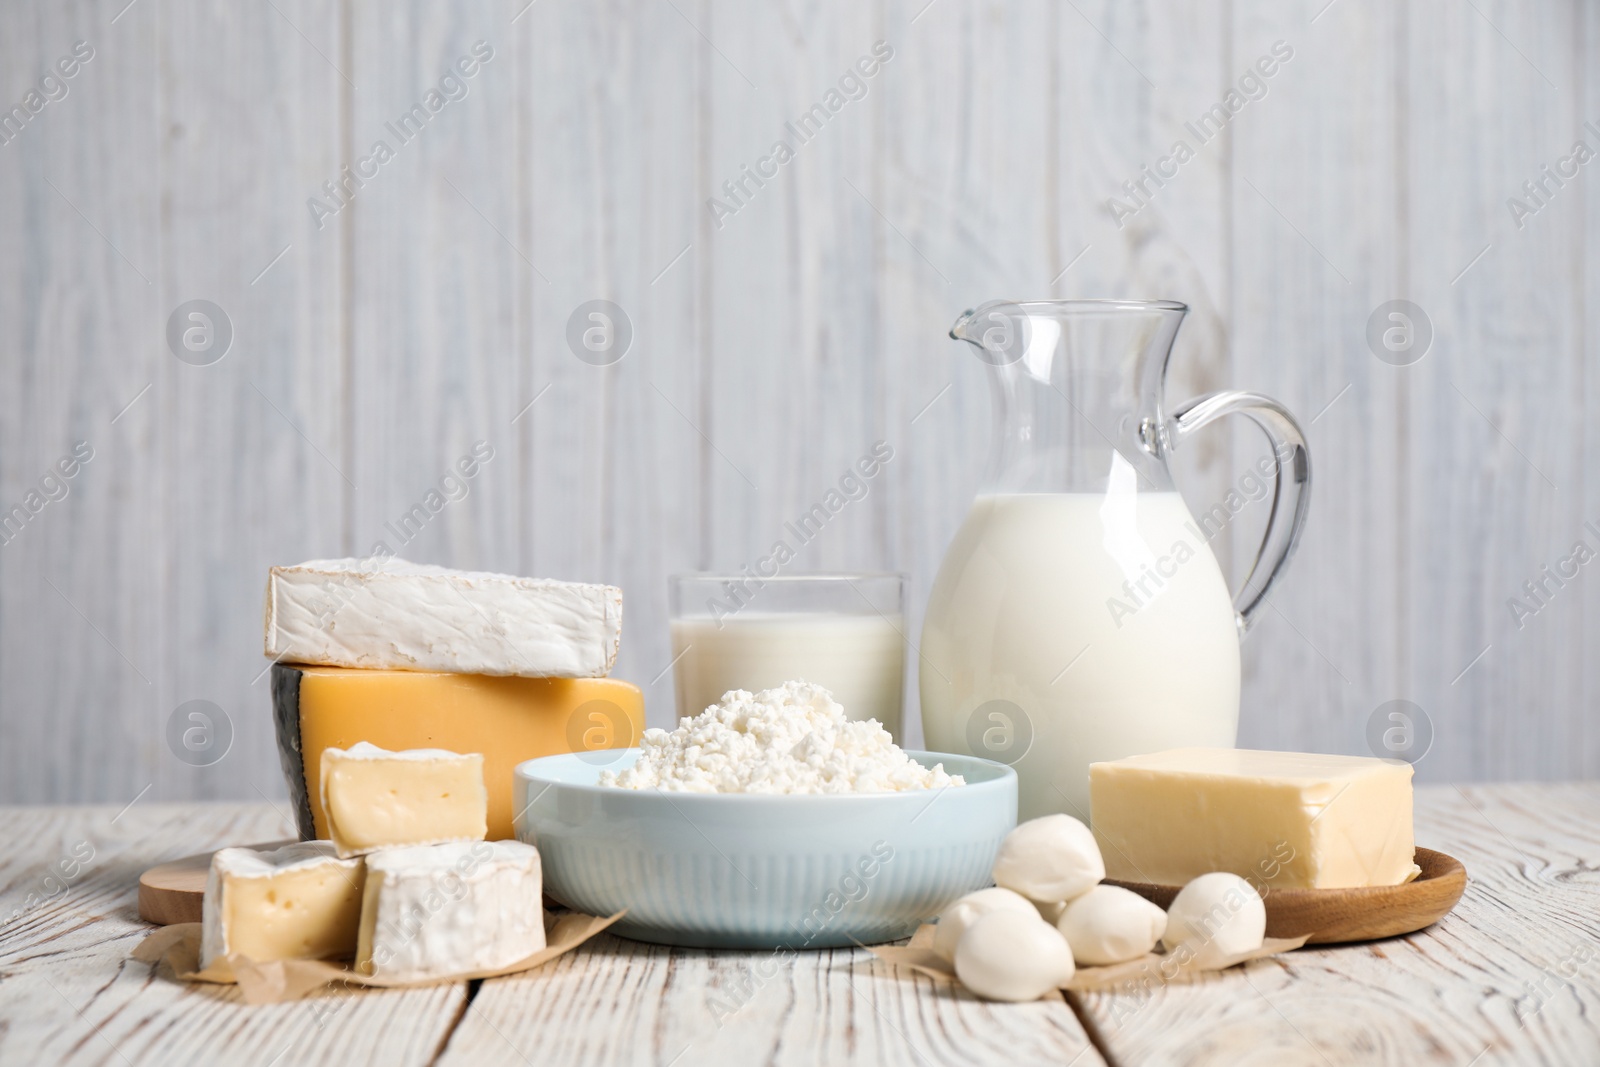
(507, 720)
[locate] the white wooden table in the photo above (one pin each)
(1512, 976)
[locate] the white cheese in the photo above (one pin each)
(1008, 955)
(440, 910)
(955, 919)
(1214, 918)
(297, 902)
(1049, 859)
(791, 739)
(390, 614)
(1109, 924)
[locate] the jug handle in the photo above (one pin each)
(1291, 490)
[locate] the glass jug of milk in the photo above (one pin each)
(1079, 614)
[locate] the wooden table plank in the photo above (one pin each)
(1511, 976)
(70, 994)
(686, 1006)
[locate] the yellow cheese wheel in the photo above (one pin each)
(508, 720)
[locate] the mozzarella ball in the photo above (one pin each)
(1007, 955)
(1216, 916)
(1051, 858)
(1109, 924)
(955, 919)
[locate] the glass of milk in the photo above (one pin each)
(844, 632)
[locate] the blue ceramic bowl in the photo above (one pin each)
(738, 870)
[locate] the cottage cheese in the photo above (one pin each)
(792, 739)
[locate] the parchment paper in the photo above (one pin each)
(1146, 971)
(176, 951)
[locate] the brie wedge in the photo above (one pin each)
(440, 910)
(373, 799)
(297, 902)
(394, 615)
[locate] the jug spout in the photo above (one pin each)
(991, 325)
(962, 330)
(1002, 331)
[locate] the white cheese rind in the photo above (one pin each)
(370, 751)
(394, 615)
(441, 910)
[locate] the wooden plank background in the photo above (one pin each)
(770, 351)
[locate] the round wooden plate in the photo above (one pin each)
(172, 892)
(1332, 916)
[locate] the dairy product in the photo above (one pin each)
(794, 738)
(1007, 955)
(410, 616)
(432, 911)
(860, 659)
(955, 919)
(297, 902)
(506, 720)
(1109, 924)
(1091, 626)
(1214, 917)
(1051, 858)
(374, 798)
(1279, 819)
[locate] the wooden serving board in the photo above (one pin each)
(1333, 916)
(172, 892)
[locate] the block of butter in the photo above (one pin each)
(373, 798)
(1278, 819)
(297, 902)
(390, 614)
